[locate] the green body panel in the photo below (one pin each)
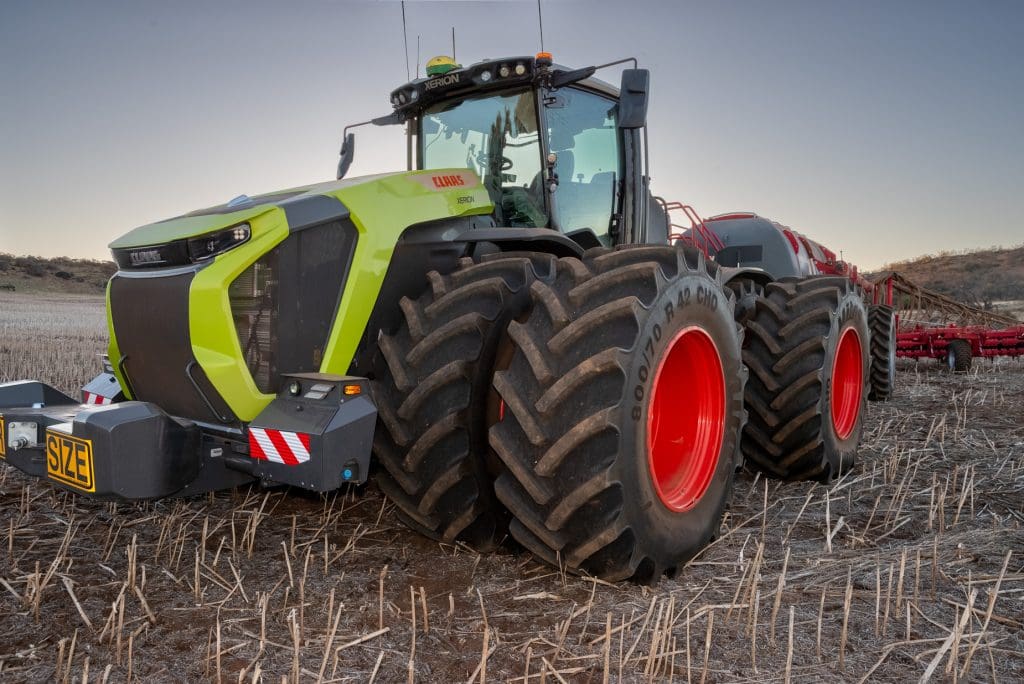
(381, 211)
(113, 353)
(381, 207)
(211, 326)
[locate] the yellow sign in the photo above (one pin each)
(69, 461)
(3, 439)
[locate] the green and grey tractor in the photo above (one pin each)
(509, 336)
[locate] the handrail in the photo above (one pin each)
(697, 234)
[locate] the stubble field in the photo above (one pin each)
(910, 567)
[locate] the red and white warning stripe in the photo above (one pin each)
(98, 399)
(289, 448)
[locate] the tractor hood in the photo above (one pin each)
(209, 309)
(238, 210)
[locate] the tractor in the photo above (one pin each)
(510, 336)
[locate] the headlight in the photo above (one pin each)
(212, 244)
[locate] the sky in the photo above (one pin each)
(883, 129)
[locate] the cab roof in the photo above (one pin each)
(484, 76)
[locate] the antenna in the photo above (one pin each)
(405, 38)
(417, 55)
(453, 43)
(540, 22)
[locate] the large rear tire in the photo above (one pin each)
(623, 407)
(432, 386)
(882, 322)
(807, 351)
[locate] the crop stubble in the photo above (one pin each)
(911, 565)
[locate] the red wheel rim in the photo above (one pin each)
(686, 419)
(847, 383)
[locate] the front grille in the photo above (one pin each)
(284, 304)
(150, 319)
(254, 303)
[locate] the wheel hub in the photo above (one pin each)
(847, 383)
(686, 419)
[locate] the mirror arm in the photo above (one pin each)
(563, 78)
(636, 64)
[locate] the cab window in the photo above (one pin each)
(585, 141)
(497, 137)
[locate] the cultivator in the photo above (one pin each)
(934, 326)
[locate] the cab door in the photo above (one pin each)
(585, 140)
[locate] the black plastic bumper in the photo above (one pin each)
(133, 450)
(130, 450)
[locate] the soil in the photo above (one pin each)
(867, 577)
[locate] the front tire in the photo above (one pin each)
(807, 351)
(432, 388)
(623, 407)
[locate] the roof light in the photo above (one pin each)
(520, 69)
(545, 58)
(504, 71)
(485, 76)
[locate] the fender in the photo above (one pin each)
(525, 239)
(757, 275)
(431, 246)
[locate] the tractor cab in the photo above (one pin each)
(555, 148)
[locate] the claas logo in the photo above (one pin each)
(448, 181)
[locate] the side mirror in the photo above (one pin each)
(633, 98)
(348, 148)
(348, 151)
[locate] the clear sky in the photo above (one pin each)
(884, 129)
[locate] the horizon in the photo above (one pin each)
(941, 254)
(884, 132)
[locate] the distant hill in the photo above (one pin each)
(36, 274)
(978, 277)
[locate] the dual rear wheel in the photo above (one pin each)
(806, 346)
(592, 409)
